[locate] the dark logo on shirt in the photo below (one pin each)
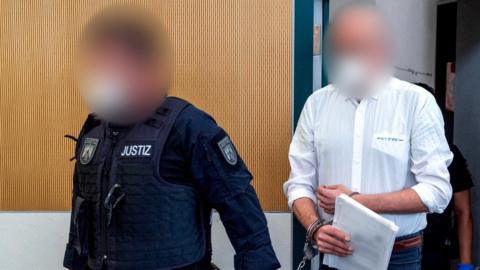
(137, 150)
(88, 150)
(389, 139)
(228, 151)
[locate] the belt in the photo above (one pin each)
(412, 242)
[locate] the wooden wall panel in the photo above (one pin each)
(233, 59)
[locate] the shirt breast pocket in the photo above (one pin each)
(392, 144)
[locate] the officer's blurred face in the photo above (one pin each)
(361, 51)
(121, 76)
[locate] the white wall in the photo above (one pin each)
(413, 23)
(33, 241)
(36, 241)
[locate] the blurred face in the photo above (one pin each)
(118, 86)
(361, 52)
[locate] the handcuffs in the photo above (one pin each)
(309, 250)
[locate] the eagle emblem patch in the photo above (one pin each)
(228, 151)
(88, 150)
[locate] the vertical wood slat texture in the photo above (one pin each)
(232, 59)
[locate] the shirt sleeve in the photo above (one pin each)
(302, 180)
(224, 181)
(430, 156)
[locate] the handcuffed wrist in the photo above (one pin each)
(314, 227)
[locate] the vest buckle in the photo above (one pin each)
(114, 196)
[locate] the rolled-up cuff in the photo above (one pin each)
(297, 193)
(429, 199)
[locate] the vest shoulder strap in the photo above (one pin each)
(91, 122)
(171, 107)
(165, 118)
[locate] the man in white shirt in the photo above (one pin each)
(371, 136)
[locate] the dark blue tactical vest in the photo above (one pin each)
(126, 215)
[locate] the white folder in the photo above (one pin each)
(372, 237)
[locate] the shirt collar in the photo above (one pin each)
(377, 93)
(374, 97)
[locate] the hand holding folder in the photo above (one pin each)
(372, 236)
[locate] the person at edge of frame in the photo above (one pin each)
(371, 136)
(150, 168)
(448, 236)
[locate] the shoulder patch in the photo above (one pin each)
(228, 151)
(88, 150)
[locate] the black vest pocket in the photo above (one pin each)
(88, 176)
(80, 219)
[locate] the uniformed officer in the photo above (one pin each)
(150, 168)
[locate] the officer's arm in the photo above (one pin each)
(247, 229)
(224, 181)
(72, 259)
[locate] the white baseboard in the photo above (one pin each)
(36, 240)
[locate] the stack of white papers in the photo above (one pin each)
(372, 237)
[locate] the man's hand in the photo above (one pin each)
(327, 195)
(331, 240)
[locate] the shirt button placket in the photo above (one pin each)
(358, 146)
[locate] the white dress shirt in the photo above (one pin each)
(384, 143)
